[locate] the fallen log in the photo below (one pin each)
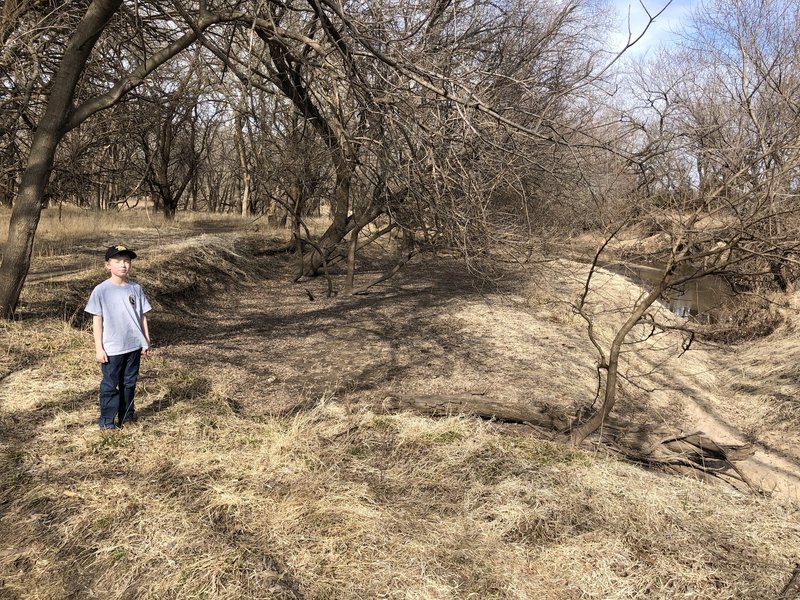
(485, 407)
(654, 446)
(702, 447)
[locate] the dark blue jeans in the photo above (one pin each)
(117, 389)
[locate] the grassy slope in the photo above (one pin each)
(262, 469)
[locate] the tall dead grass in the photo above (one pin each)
(62, 230)
(766, 376)
(335, 501)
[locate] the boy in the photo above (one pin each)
(121, 337)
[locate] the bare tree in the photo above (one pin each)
(460, 120)
(61, 116)
(718, 163)
(49, 131)
(172, 135)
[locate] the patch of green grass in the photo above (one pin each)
(252, 441)
(109, 442)
(185, 385)
(118, 554)
(359, 451)
(382, 424)
(103, 523)
(447, 438)
(543, 452)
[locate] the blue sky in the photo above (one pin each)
(660, 32)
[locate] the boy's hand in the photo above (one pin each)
(146, 352)
(102, 357)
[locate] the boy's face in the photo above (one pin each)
(119, 265)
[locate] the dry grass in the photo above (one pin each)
(223, 493)
(765, 377)
(60, 230)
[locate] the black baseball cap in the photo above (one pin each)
(120, 249)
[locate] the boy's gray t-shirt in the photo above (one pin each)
(122, 308)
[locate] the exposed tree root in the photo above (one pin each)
(655, 446)
(792, 589)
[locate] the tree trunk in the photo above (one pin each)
(241, 150)
(585, 429)
(6, 187)
(352, 250)
(169, 211)
(49, 132)
(781, 274)
(337, 230)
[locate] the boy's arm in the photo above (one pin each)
(97, 330)
(146, 332)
